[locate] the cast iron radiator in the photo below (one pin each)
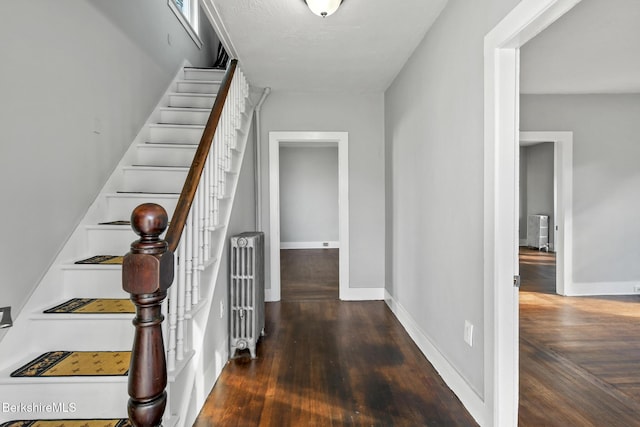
(246, 294)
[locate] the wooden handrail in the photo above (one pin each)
(147, 274)
(191, 183)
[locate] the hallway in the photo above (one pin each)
(325, 362)
(579, 356)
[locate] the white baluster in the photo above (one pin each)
(201, 225)
(182, 279)
(207, 209)
(195, 277)
(173, 320)
(188, 236)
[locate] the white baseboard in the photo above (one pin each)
(601, 288)
(309, 245)
(349, 294)
(362, 294)
(268, 297)
(469, 398)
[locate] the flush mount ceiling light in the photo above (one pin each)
(323, 8)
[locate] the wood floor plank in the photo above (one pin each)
(332, 363)
(309, 274)
(579, 356)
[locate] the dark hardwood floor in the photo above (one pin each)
(309, 274)
(325, 362)
(579, 356)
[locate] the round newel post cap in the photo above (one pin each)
(149, 220)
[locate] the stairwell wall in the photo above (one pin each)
(79, 79)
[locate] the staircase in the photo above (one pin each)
(153, 170)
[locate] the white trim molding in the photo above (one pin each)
(563, 202)
(326, 244)
(190, 23)
(501, 124)
(446, 370)
(602, 288)
(341, 139)
(362, 294)
(213, 15)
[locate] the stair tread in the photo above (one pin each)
(167, 145)
(206, 82)
(176, 125)
(64, 363)
(116, 222)
(184, 144)
(209, 95)
(146, 192)
(101, 260)
(205, 68)
(186, 109)
(155, 168)
(69, 422)
(93, 306)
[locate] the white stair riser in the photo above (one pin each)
(167, 181)
(190, 101)
(93, 282)
(183, 116)
(203, 74)
(83, 335)
(119, 207)
(81, 400)
(110, 241)
(185, 135)
(149, 155)
(197, 87)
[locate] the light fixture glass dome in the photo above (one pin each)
(323, 8)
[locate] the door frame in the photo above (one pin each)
(339, 139)
(501, 240)
(562, 201)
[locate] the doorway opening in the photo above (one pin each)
(335, 140)
(556, 205)
(309, 232)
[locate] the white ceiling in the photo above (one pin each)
(594, 48)
(360, 48)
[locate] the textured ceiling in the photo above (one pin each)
(594, 48)
(361, 47)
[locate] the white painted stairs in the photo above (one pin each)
(152, 170)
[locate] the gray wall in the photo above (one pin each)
(77, 83)
(309, 194)
(434, 135)
(606, 178)
(536, 185)
(362, 115)
(242, 219)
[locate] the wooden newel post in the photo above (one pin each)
(147, 273)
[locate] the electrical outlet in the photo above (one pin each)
(325, 244)
(468, 333)
(221, 309)
(636, 289)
